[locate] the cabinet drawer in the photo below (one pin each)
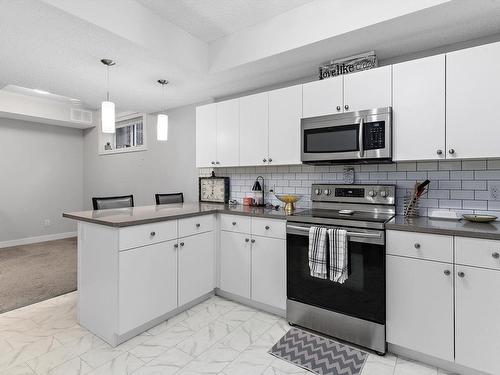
(477, 252)
(147, 234)
(269, 227)
(420, 245)
(197, 224)
(235, 223)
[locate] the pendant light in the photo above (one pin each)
(162, 120)
(107, 107)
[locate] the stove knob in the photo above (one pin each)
(372, 193)
(317, 191)
(327, 191)
(384, 194)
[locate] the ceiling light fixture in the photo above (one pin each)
(107, 107)
(162, 120)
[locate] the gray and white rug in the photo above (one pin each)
(318, 354)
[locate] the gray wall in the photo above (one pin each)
(41, 170)
(164, 167)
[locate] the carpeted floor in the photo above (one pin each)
(36, 272)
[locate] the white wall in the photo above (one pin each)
(41, 176)
(165, 167)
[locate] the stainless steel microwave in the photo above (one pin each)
(362, 136)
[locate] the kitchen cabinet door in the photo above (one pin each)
(476, 317)
(254, 122)
(322, 97)
(206, 135)
(368, 89)
(147, 284)
(472, 95)
(196, 266)
(285, 112)
(268, 271)
(420, 306)
(235, 263)
(228, 135)
(419, 109)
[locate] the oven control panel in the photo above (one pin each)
(375, 194)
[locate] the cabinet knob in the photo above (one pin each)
(217, 162)
(152, 234)
(213, 163)
(247, 239)
(447, 272)
(234, 223)
(176, 246)
(495, 255)
(346, 107)
(198, 225)
(253, 241)
(267, 227)
(439, 152)
(461, 274)
(182, 243)
(270, 160)
(451, 151)
(417, 246)
(339, 108)
(264, 160)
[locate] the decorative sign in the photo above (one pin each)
(346, 65)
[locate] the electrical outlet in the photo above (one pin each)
(495, 192)
(46, 223)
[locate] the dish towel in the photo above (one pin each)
(338, 254)
(317, 252)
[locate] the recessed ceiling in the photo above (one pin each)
(212, 19)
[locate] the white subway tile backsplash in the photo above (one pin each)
(455, 185)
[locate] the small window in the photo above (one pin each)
(130, 135)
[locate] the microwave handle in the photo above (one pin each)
(360, 139)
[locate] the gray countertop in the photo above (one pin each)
(447, 227)
(124, 217)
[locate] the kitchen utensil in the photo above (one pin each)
(289, 200)
(480, 218)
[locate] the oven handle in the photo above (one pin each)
(350, 234)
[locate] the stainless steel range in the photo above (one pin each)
(355, 310)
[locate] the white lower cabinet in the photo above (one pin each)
(477, 318)
(420, 305)
(268, 271)
(147, 284)
(235, 263)
(196, 266)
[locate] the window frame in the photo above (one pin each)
(104, 138)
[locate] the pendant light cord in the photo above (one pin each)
(107, 83)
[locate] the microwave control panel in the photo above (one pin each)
(374, 135)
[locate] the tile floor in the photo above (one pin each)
(215, 337)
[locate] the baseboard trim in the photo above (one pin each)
(30, 240)
(250, 303)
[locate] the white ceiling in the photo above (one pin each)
(212, 19)
(56, 45)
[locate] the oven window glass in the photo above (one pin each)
(361, 296)
(331, 139)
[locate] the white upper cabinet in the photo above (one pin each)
(368, 89)
(206, 135)
(472, 93)
(228, 125)
(323, 97)
(419, 109)
(254, 123)
(285, 112)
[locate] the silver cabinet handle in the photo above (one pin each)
(198, 225)
(152, 234)
(451, 151)
(267, 227)
(264, 160)
(346, 107)
(461, 274)
(417, 246)
(252, 241)
(439, 152)
(339, 108)
(447, 272)
(234, 222)
(495, 255)
(182, 243)
(247, 239)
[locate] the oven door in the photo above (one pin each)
(361, 296)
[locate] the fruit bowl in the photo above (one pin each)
(289, 200)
